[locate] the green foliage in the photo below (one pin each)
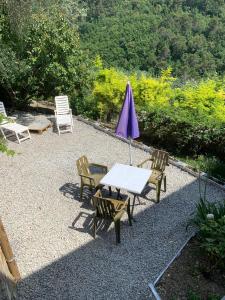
(210, 221)
(211, 165)
(186, 119)
(108, 92)
(150, 35)
(46, 59)
(3, 146)
(193, 296)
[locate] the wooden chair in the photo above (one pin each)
(90, 174)
(159, 160)
(110, 209)
(63, 114)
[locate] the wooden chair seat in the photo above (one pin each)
(155, 176)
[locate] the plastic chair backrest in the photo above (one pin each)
(2, 109)
(62, 105)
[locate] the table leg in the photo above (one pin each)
(118, 194)
(132, 210)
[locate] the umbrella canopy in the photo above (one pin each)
(127, 125)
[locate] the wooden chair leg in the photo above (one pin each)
(158, 187)
(117, 229)
(129, 214)
(95, 227)
(110, 191)
(164, 180)
(81, 192)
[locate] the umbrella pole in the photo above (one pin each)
(130, 151)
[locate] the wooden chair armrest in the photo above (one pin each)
(88, 177)
(143, 162)
(119, 202)
(99, 166)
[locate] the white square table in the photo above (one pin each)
(129, 178)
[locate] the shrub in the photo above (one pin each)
(40, 53)
(210, 222)
(3, 146)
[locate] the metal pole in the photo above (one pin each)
(130, 151)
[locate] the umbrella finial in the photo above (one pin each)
(128, 82)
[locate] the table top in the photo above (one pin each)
(126, 177)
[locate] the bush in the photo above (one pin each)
(210, 222)
(186, 119)
(181, 132)
(3, 146)
(42, 58)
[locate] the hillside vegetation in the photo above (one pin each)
(172, 51)
(150, 35)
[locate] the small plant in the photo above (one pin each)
(210, 221)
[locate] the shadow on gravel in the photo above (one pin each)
(72, 191)
(102, 270)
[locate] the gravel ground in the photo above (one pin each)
(40, 202)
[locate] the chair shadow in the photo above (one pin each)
(72, 191)
(87, 224)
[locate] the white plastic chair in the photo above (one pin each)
(2, 109)
(63, 115)
(9, 129)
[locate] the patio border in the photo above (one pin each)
(179, 164)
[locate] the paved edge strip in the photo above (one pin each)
(179, 164)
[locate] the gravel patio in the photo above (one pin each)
(50, 229)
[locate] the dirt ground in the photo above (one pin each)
(189, 277)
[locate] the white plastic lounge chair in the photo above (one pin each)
(9, 129)
(63, 115)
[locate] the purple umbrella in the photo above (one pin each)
(127, 125)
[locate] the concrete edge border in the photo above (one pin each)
(179, 164)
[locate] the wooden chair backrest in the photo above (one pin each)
(104, 207)
(82, 166)
(2, 109)
(159, 160)
(62, 105)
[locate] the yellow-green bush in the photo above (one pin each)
(204, 98)
(188, 118)
(109, 89)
